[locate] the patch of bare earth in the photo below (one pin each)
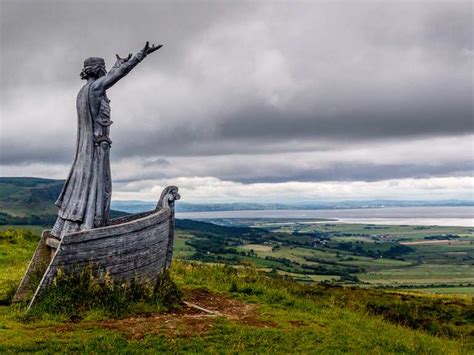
(197, 315)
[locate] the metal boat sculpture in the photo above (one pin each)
(136, 246)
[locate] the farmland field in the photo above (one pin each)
(418, 258)
(426, 258)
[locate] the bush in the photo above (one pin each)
(77, 293)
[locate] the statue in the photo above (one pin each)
(134, 247)
(84, 202)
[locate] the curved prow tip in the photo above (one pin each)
(167, 198)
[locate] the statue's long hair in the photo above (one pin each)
(92, 71)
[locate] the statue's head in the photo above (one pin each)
(94, 68)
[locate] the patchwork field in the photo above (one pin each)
(426, 258)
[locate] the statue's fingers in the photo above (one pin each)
(117, 56)
(155, 48)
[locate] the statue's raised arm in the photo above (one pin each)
(122, 67)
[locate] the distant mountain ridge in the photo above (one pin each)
(30, 200)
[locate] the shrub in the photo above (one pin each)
(77, 293)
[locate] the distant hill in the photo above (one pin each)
(27, 200)
(135, 206)
(21, 197)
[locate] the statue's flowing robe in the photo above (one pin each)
(84, 201)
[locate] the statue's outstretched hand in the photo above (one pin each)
(124, 59)
(148, 50)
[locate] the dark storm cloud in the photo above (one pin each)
(365, 172)
(243, 78)
(391, 117)
(45, 42)
(273, 173)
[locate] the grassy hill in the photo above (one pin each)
(23, 196)
(247, 311)
(27, 200)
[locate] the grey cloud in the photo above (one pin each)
(337, 172)
(365, 172)
(161, 162)
(51, 38)
(355, 172)
(243, 78)
(369, 162)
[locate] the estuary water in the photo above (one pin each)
(418, 216)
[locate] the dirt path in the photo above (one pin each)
(189, 320)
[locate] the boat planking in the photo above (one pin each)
(138, 246)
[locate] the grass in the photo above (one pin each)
(16, 249)
(293, 318)
(257, 247)
(458, 290)
(287, 317)
(83, 293)
(423, 274)
(253, 285)
(181, 249)
(402, 233)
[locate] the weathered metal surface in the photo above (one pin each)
(84, 202)
(137, 246)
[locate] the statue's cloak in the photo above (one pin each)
(84, 202)
(75, 195)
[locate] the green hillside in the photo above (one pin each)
(242, 310)
(27, 200)
(22, 196)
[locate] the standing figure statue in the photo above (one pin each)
(84, 202)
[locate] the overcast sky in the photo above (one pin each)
(250, 101)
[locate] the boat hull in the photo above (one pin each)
(133, 247)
